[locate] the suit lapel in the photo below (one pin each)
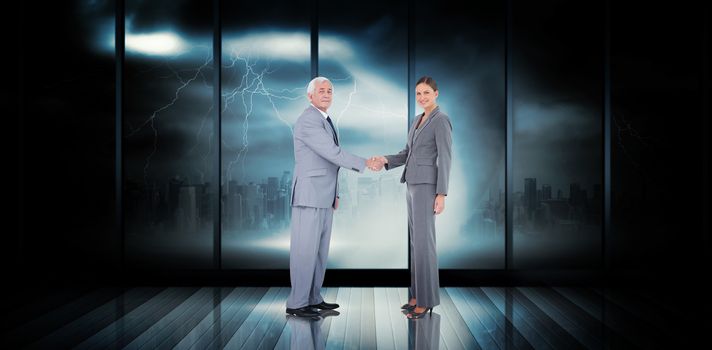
(427, 122)
(411, 133)
(325, 123)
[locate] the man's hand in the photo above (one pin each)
(336, 203)
(439, 205)
(373, 164)
(376, 163)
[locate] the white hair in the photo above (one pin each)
(318, 80)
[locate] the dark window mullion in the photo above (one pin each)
(606, 232)
(509, 131)
(315, 39)
(120, 52)
(217, 87)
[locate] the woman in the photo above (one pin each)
(427, 157)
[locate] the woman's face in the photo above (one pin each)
(425, 95)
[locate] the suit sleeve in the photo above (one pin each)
(443, 142)
(396, 160)
(319, 140)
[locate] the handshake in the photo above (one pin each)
(376, 163)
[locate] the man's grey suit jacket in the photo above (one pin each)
(317, 160)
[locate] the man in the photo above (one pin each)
(317, 159)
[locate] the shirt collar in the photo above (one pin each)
(320, 111)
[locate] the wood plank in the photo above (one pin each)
(507, 336)
(631, 327)
(352, 336)
(330, 295)
(254, 321)
(84, 327)
(20, 305)
(137, 327)
(522, 322)
(606, 336)
(468, 318)
(209, 326)
(268, 331)
(194, 318)
(399, 322)
(141, 316)
(368, 320)
(388, 317)
(452, 328)
(483, 331)
(339, 325)
(161, 334)
(582, 326)
(614, 332)
(558, 336)
(641, 309)
(231, 321)
(585, 299)
(46, 323)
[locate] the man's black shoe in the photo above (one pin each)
(324, 306)
(303, 312)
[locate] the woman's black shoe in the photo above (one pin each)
(414, 315)
(408, 307)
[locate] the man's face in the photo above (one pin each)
(323, 93)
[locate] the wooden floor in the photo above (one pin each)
(370, 318)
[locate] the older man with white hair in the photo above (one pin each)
(317, 160)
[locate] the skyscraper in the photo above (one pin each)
(271, 192)
(530, 196)
(187, 208)
(286, 181)
(575, 194)
(546, 192)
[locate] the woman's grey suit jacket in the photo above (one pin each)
(427, 155)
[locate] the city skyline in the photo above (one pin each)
(247, 204)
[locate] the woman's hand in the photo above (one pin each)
(439, 204)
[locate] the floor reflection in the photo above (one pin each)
(305, 333)
(369, 318)
(424, 333)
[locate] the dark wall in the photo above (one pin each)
(61, 103)
(66, 149)
(660, 96)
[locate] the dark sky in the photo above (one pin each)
(556, 103)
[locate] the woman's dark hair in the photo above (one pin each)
(428, 80)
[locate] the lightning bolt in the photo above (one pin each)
(252, 83)
(150, 121)
(204, 156)
(350, 104)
